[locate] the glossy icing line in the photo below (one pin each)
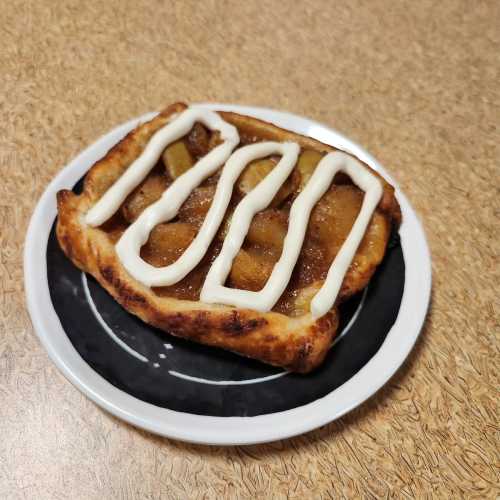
(137, 234)
(163, 210)
(264, 300)
(366, 181)
(182, 187)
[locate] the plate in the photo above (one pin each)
(199, 394)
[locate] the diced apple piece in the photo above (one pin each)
(333, 216)
(149, 191)
(195, 208)
(167, 242)
(303, 297)
(268, 229)
(214, 141)
(198, 140)
(332, 220)
(255, 172)
(307, 163)
(251, 270)
(177, 159)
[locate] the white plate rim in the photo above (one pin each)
(227, 430)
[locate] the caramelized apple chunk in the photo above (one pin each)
(268, 229)
(177, 159)
(214, 141)
(330, 224)
(167, 242)
(306, 164)
(334, 215)
(198, 140)
(298, 301)
(251, 269)
(149, 191)
(256, 171)
(195, 208)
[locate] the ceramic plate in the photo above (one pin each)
(205, 395)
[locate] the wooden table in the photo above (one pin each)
(417, 83)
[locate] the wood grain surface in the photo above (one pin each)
(416, 83)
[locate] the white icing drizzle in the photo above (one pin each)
(365, 180)
(182, 187)
(137, 234)
(213, 291)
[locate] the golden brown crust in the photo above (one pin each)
(295, 343)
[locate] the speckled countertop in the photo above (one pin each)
(417, 83)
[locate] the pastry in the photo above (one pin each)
(231, 232)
